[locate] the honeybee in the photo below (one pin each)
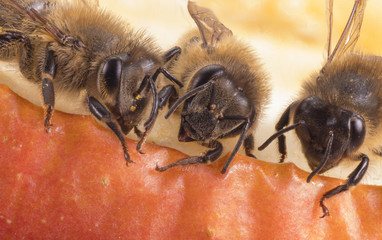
(337, 115)
(70, 47)
(225, 89)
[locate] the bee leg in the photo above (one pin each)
(168, 75)
(249, 145)
(172, 53)
(167, 57)
(239, 141)
(165, 95)
(353, 179)
(208, 157)
(283, 121)
(155, 108)
(103, 115)
(48, 74)
(138, 132)
(149, 124)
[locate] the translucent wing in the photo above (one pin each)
(330, 25)
(210, 28)
(351, 32)
(51, 29)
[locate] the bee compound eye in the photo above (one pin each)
(357, 132)
(112, 73)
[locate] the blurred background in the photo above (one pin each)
(288, 35)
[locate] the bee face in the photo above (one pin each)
(321, 117)
(203, 116)
(123, 84)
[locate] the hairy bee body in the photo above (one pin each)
(351, 83)
(87, 55)
(337, 113)
(225, 89)
(102, 33)
(241, 64)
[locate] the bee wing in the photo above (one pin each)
(51, 29)
(351, 32)
(91, 3)
(329, 13)
(210, 28)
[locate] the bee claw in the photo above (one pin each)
(127, 159)
(47, 126)
(324, 209)
(159, 169)
(326, 213)
(139, 147)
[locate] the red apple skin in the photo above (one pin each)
(73, 184)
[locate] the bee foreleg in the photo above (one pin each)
(149, 124)
(353, 179)
(172, 53)
(208, 157)
(165, 94)
(163, 97)
(239, 141)
(167, 57)
(48, 74)
(103, 115)
(168, 75)
(283, 121)
(249, 145)
(138, 132)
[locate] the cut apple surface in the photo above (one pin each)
(73, 183)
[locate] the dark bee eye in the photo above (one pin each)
(357, 133)
(207, 73)
(112, 74)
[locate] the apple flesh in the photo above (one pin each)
(73, 183)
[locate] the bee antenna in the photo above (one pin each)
(239, 142)
(154, 110)
(281, 132)
(324, 159)
(143, 84)
(187, 96)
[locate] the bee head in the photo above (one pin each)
(217, 110)
(123, 83)
(322, 122)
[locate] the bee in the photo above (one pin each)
(225, 89)
(337, 115)
(72, 48)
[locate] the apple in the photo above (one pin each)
(73, 183)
